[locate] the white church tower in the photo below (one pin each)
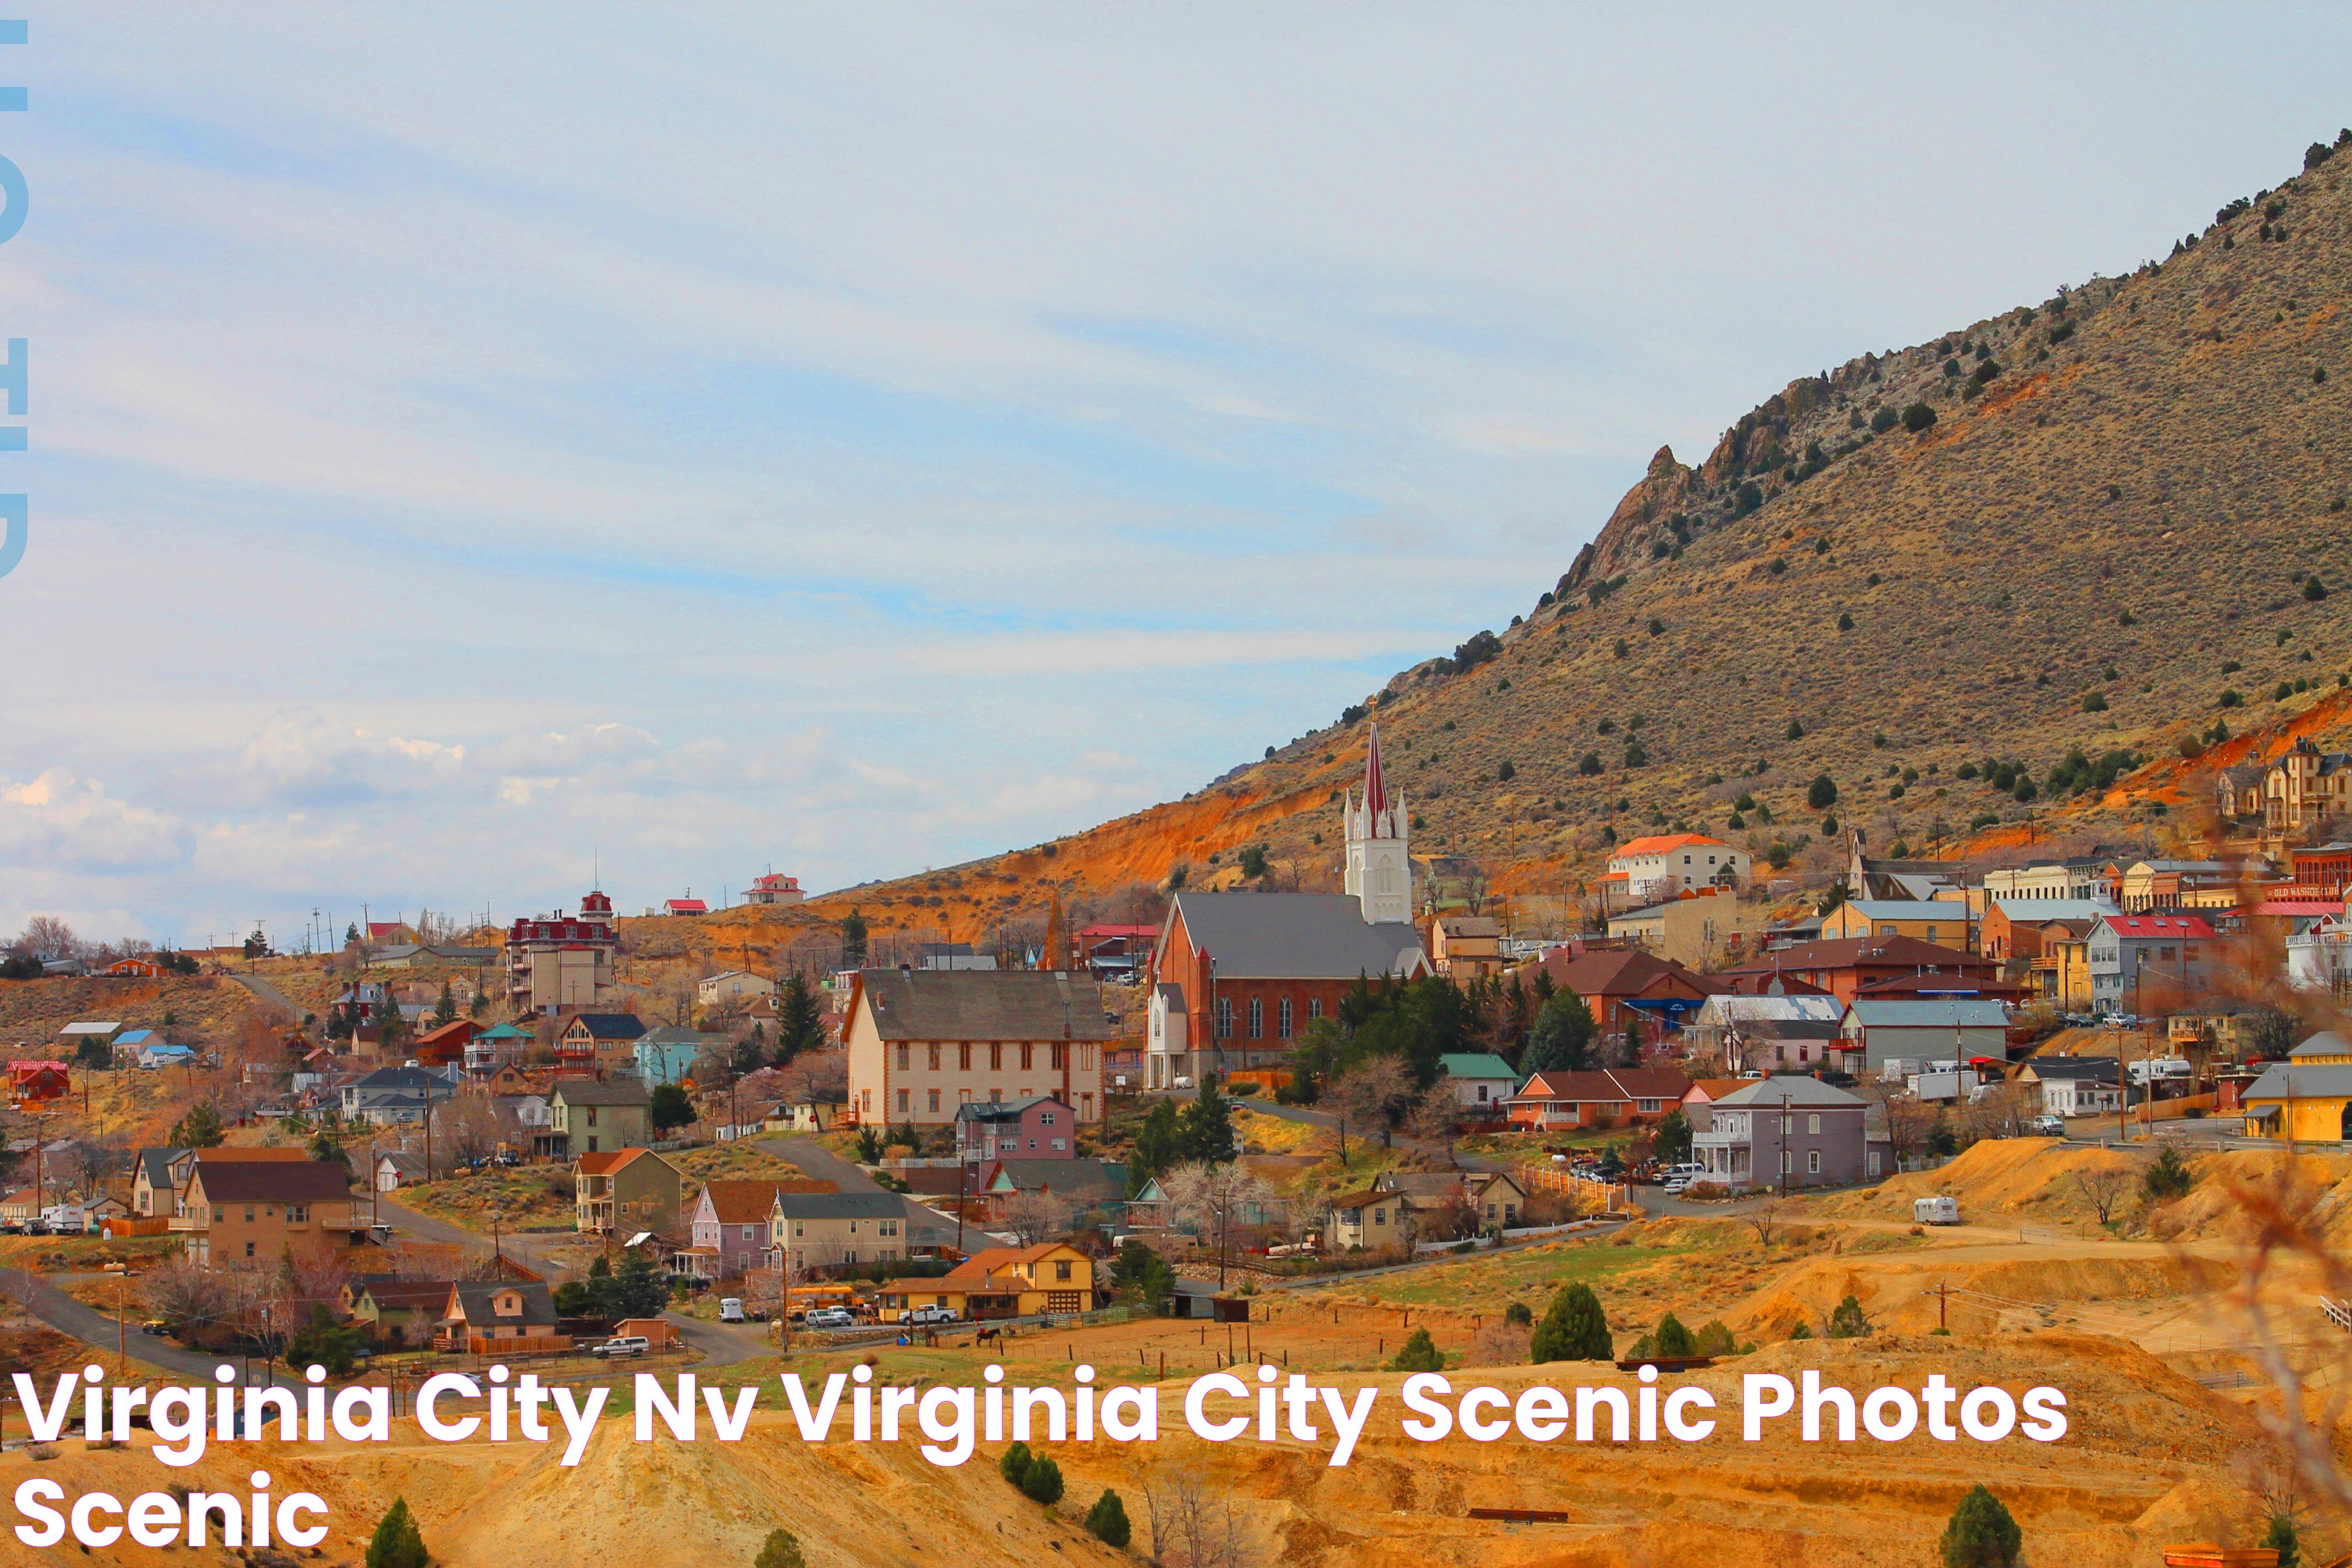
(1378, 872)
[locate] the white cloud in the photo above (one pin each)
(60, 822)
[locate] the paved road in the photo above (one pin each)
(924, 1226)
(723, 1344)
(95, 1329)
(268, 993)
(525, 1246)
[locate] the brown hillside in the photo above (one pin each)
(2129, 497)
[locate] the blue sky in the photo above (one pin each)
(857, 440)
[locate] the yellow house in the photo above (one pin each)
(1703, 930)
(1003, 1283)
(2307, 1098)
(1466, 947)
(2062, 973)
(1944, 921)
(625, 1191)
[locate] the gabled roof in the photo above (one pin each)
(1084, 1181)
(2327, 1043)
(391, 1293)
(1887, 951)
(2156, 925)
(1964, 1013)
(473, 1299)
(841, 1205)
(157, 1163)
(605, 1162)
(608, 1025)
(1295, 936)
(272, 1181)
(2076, 1069)
(1608, 1083)
(983, 1004)
(977, 1270)
(623, 1091)
(748, 1203)
(1798, 1090)
(2301, 1081)
(1661, 843)
(1621, 972)
(1475, 1064)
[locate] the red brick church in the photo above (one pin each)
(1237, 977)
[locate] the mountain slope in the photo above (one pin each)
(2122, 493)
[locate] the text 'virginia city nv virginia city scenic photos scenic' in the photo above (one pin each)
(1398, 787)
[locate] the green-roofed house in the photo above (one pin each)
(493, 1047)
(1481, 1079)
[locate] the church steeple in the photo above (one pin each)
(1378, 872)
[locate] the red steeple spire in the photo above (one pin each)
(1376, 790)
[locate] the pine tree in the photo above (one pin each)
(1107, 1521)
(1207, 1133)
(1015, 1466)
(396, 1543)
(1561, 1040)
(445, 1011)
(852, 940)
(1981, 1533)
(800, 1024)
(1847, 1322)
(199, 1129)
(2285, 1539)
(1044, 1482)
(781, 1550)
(1159, 1143)
(1575, 1329)
(1419, 1353)
(1672, 1338)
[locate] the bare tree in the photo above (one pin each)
(469, 1128)
(48, 937)
(2103, 1189)
(1452, 1216)
(1035, 1214)
(1764, 1219)
(1433, 1118)
(1191, 1529)
(1375, 1092)
(1211, 1199)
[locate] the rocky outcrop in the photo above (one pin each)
(1664, 491)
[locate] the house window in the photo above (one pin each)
(297, 1213)
(932, 1052)
(963, 1057)
(902, 1100)
(799, 1230)
(996, 1056)
(1061, 1269)
(1224, 1018)
(1646, 1105)
(1785, 1161)
(1813, 1124)
(903, 1056)
(1058, 1057)
(1257, 1018)
(1379, 1216)
(1025, 1049)
(934, 1100)
(1282, 1018)
(1314, 1008)
(1482, 1094)
(747, 1233)
(248, 1213)
(591, 1110)
(1813, 1162)
(1874, 1162)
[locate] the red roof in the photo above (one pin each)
(1659, 843)
(687, 907)
(1608, 1083)
(2158, 925)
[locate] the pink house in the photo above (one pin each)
(1039, 1129)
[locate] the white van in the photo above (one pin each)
(731, 1309)
(1939, 1210)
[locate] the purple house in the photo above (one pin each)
(1038, 1128)
(731, 1226)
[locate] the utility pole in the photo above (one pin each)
(1943, 1292)
(1787, 1159)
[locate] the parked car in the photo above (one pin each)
(831, 1318)
(154, 1326)
(2049, 1126)
(621, 1346)
(928, 1315)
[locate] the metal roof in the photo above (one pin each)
(985, 1004)
(1956, 1012)
(2301, 1081)
(1797, 1091)
(1296, 936)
